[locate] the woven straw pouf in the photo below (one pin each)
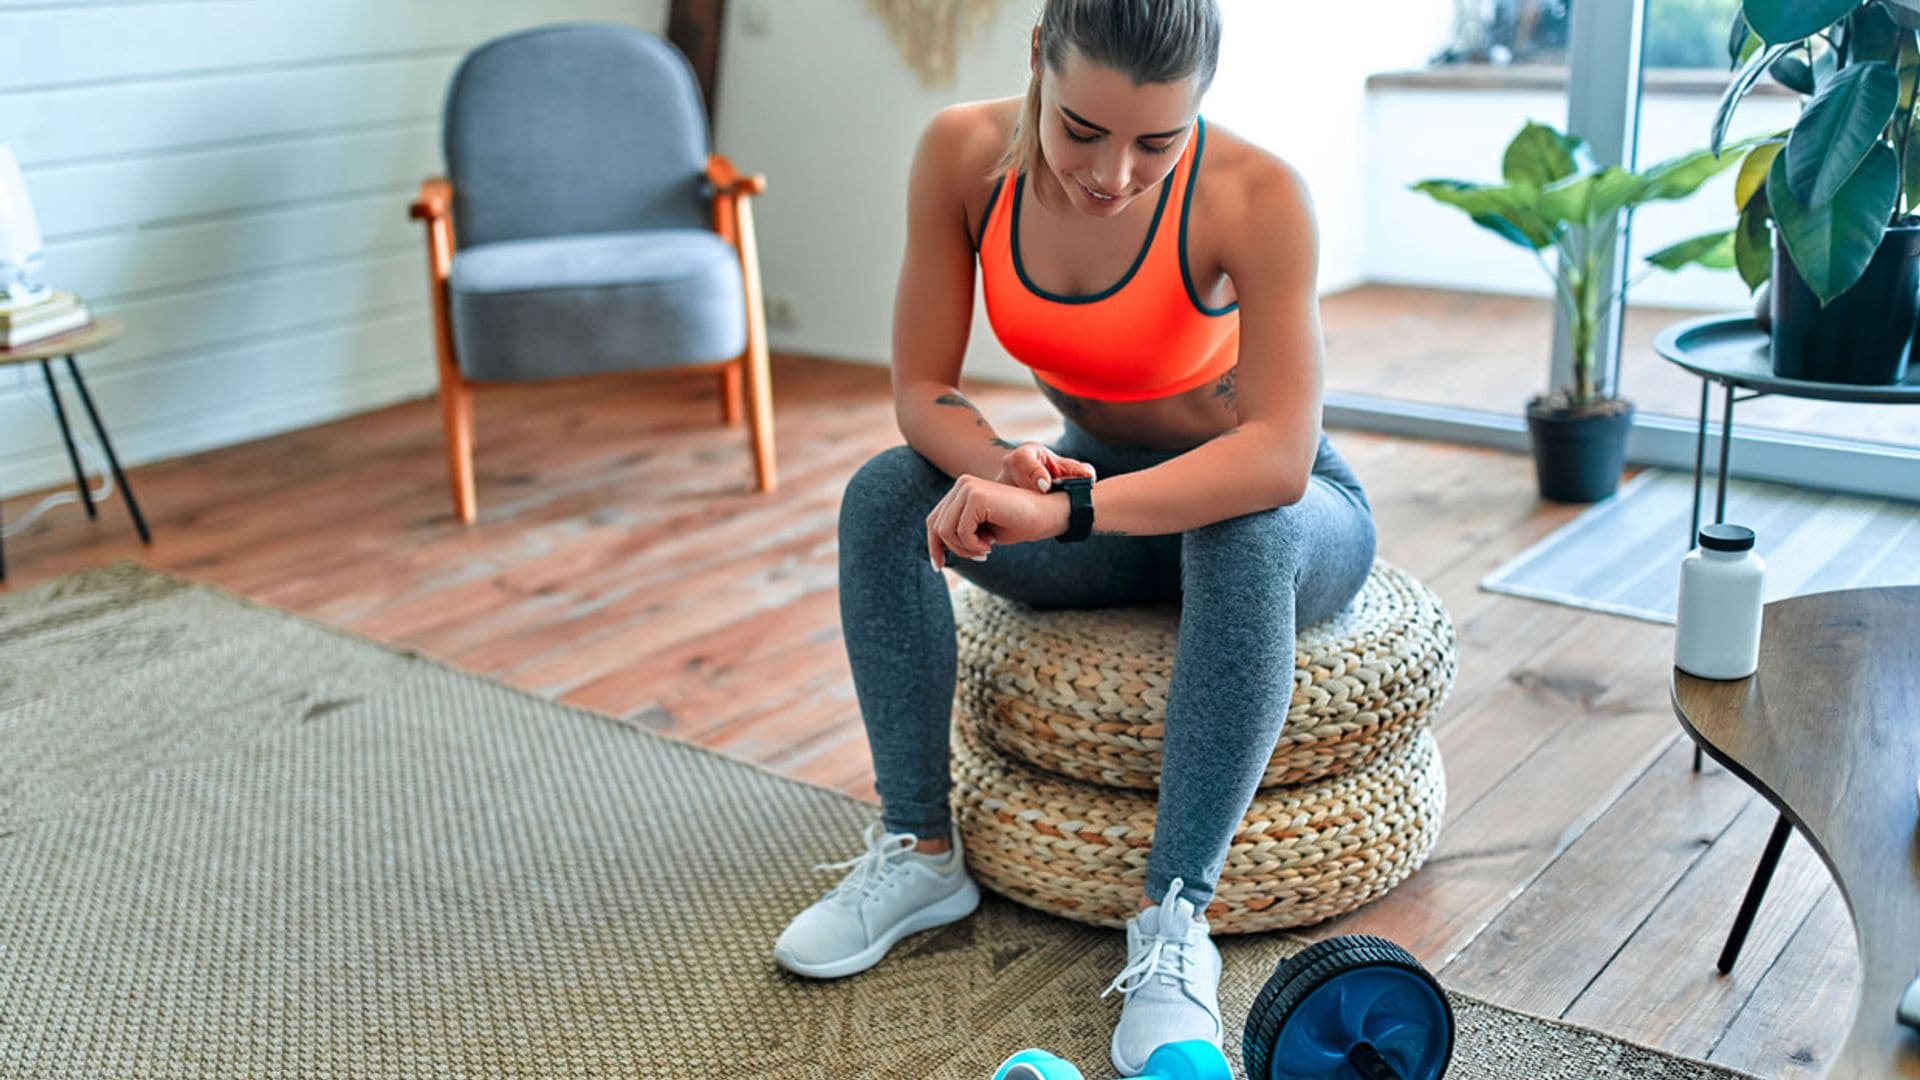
(1083, 693)
(1301, 854)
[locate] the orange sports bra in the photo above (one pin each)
(1146, 336)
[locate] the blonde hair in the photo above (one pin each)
(1149, 41)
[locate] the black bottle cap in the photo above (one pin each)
(1726, 537)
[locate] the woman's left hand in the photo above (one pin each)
(978, 513)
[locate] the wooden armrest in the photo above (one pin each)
(435, 201)
(728, 180)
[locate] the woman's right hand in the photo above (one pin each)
(1035, 467)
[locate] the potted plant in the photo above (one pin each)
(1551, 188)
(1838, 190)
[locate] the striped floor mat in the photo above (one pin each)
(1623, 555)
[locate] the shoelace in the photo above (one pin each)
(1166, 956)
(884, 851)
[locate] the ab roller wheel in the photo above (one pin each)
(1347, 1008)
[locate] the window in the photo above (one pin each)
(1688, 33)
(1679, 33)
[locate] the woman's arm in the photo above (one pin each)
(933, 303)
(1264, 462)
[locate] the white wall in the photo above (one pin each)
(1296, 84)
(1416, 133)
(232, 179)
(822, 103)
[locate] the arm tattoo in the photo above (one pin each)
(1110, 532)
(978, 420)
(1073, 408)
(1226, 391)
(956, 399)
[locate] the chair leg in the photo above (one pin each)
(759, 378)
(760, 413)
(456, 418)
(730, 405)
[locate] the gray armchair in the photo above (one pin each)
(596, 233)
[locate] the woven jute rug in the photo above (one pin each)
(234, 843)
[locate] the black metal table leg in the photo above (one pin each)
(1720, 485)
(1699, 481)
(1726, 446)
(1756, 890)
(66, 432)
(1770, 856)
(1699, 463)
(113, 460)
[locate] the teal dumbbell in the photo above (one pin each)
(1194, 1059)
(1036, 1065)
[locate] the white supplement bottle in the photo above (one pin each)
(1717, 629)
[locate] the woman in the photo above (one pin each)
(1158, 275)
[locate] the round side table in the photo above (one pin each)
(1734, 352)
(96, 334)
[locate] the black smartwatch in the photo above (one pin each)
(1079, 491)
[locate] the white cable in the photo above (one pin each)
(60, 498)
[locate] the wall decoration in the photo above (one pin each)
(929, 33)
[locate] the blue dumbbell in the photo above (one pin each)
(1194, 1059)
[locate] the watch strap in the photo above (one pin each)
(1079, 491)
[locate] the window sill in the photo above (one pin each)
(1701, 81)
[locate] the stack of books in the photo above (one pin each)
(53, 314)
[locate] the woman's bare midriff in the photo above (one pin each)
(1180, 422)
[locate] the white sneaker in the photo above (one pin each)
(891, 892)
(1171, 981)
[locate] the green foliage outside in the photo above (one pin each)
(1688, 33)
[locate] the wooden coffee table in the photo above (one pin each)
(1828, 730)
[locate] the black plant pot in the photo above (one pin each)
(1865, 335)
(1578, 458)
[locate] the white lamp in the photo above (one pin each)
(20, 248)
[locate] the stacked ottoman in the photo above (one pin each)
(1058, 721)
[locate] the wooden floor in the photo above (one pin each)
(622, 563)
(1481, 351)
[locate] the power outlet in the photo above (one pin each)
(782, 314)
(756, 18)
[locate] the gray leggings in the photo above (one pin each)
(1243, 585)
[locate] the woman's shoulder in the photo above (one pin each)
(974, 132)
(966, 143)
(1241, 184)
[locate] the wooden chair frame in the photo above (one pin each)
(732, 219)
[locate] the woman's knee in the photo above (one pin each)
(1272, 539)
(1285, 545)
(887, 500)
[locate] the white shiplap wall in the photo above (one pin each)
(231, 178)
